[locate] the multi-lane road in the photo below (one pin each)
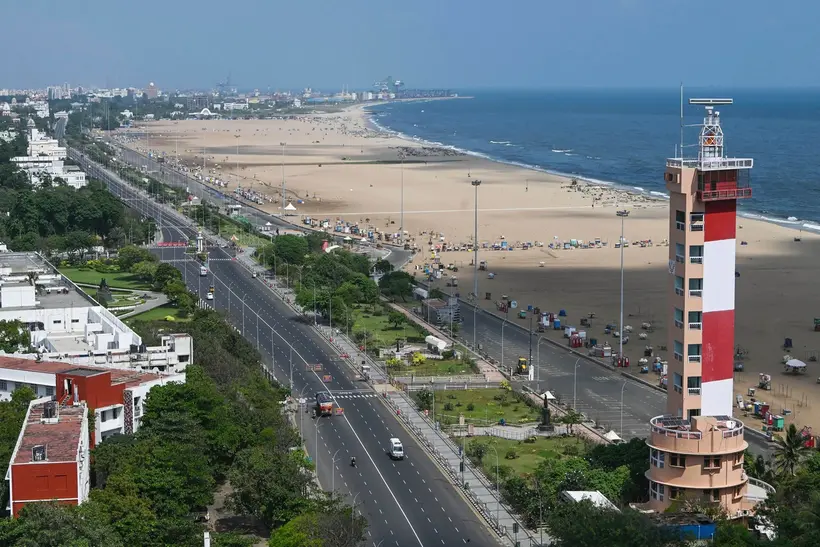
(602, 394)
(406, 503)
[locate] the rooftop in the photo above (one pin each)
(118, 376)
(60, 437)
(696, 427)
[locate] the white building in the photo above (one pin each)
(68, 325)
(46, 157)
(234, 105)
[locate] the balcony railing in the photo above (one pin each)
(696, 326)
(680, 225)
(696, 259)
(693, 358)
(696, 292)
(679, 324)
(711, 164)
(694, 390)
(678, 356)
(729, 193)
(696, 226)
(679, 258)
(678, 291)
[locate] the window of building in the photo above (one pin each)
(693, 385)
(678, 350)
(678, 318)
(712, 494)
(656, 490)
(696, 254)
(677, 382)
(693, 352)
(678, 285)
(57, 322)
(711, 462)
(737, 459)
(75, 320)
(696, 222)
(675, 493)
(680, 220)
(4, 386)
(677, 460)
(692, 412)
(657, 458)
(695, 320)
(680, 252)
(738, 492)
(695, 286)
(49, 391)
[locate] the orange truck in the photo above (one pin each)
(324, 404)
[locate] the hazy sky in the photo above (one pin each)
(427, 43)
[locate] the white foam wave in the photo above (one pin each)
(811, 226)
(792, 218)
(499, 142)
(638, 188)
(559, 151)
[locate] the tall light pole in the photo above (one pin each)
(538, 358)
(333, 474)
(283, 144)
(476, 183)
(291, 367)
(401, 218)
(575, 385)
(316, 448)
(497, 491)
(503, 324)
(623, 214)
(236, 136)
(622, 409)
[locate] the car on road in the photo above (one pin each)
(209, 296)
(396, 449)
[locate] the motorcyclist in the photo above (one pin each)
(353, 461)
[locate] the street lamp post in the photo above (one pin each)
(316, 448)
(622, 409)
(333, 474)
(622, 214)
(503, 324)
(401, 219)
(538, 358)
(575, 385)
(283, 144)
(291, 366)
(497, 491)
(476, 183)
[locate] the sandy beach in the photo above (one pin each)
(335, 167)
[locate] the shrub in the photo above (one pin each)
(470, 407)
(530, 440)
(448, 406)
(378, 312)
(511, 454)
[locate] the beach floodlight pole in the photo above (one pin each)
(575, 386)
(401, 219)
(283, 144)
(623, 214)
(476, 184)
(503, 324)
(622, 409)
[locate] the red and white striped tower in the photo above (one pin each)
(696, 449)
(703, 199)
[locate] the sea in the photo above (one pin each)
(623, 137)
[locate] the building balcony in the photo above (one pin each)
(710, 164)
(725, 194)
(696, 326)
(702, 435)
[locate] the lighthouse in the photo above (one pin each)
(696, 448)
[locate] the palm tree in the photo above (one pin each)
(790, 452)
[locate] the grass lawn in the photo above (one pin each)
(432, 367)
(115, 280)
(486, 409)
(158, 314)
(530, 455)
(382, 333)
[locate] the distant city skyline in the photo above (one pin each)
(539, 44)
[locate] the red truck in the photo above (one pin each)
(324, 404)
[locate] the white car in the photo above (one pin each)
(396, 450)
(209, 296)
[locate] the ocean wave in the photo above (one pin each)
(811, 226)
(499, 142)
(559, 151)
(639, 189)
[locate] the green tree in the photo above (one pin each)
(163, 274)
(12, 414)
(789, 452)
(732, 534)
(585, 525)
(331, 526)
(382, 266)
(145, 270)
(130, 255)
(424, 397)
(42, 524)
(14, 336)
(396, 318)
(571, 419)
(397, 285)
(290, 249)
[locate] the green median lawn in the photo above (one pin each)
(119, 280)
(159, 313)
(484, 407)
(434, 367)
(380, 332)
(528, 455)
